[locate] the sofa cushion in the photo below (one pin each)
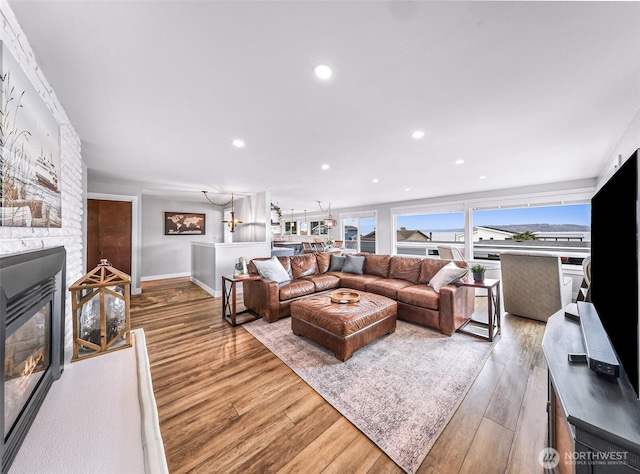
(429, 268)
(324, 281)
(377, 264)
(339, 274)
(450, 273)
(405, 268)
(272, 269)
(284, 260)
(422, 296)
(296, 288)
(356, 282)
(303, 265)
(286, 263)
(387, 287)
(353, 264)
(337, 262)
(323, 259)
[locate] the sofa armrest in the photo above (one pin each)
(457, 304)
(262, 297)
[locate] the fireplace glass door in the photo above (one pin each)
(27, 356)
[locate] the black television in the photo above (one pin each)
(614, 264)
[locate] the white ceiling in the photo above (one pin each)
(524, 92)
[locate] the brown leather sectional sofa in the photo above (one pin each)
(404, 279)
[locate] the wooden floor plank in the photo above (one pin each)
(251, 443)
(504, 407)
(356, 458)
(489, 450)
(524, 344)
(532, 424)
(304, 406)
(227, 404)
(281, 450)
(324, 449)
(384, 465)
(449, 451)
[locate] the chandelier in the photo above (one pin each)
(329, 222)
(232, 222)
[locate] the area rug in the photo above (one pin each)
(400, 391)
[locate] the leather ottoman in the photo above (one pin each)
(343, 328)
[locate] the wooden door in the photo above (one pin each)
(109, 233)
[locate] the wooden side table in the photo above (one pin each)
(229, 299)
(492, 325)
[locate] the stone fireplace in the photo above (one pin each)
(32, 306)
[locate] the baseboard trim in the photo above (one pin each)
(208, 289)
(165, 277)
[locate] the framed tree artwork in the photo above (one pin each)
(30, 152)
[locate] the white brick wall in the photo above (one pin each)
(17, 239)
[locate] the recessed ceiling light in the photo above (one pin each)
(459, 162)
(322, 71)
(417, 134)
(375, 180)
(238, 143)
(325, 167)
(407, 189)
(481, 177)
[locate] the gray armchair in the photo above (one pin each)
(533, 285)
(448, 252)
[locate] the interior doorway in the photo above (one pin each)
(109, 233)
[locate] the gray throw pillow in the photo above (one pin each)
(272, 269)
(450, 273)
(336, 263)
(353, 264)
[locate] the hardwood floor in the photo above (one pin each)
(226, 404)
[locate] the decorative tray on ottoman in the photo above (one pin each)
(345, 296)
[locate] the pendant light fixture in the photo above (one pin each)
(329, 222)
(232, 222)
(303, 226)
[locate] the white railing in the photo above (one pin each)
(491, 250)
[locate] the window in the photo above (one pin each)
(546, 222)
(359, 232)
(419, 233)
(565, 228)
(318, 228)
(291, 228)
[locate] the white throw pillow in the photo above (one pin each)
(272, 269)
(450, 273)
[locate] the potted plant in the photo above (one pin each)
(330, 242)
(478, 271)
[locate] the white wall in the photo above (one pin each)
(253, 212)
(158, 256)
(628, 143)
(167, 256)
(70, 235)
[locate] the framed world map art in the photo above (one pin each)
(184, 223)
